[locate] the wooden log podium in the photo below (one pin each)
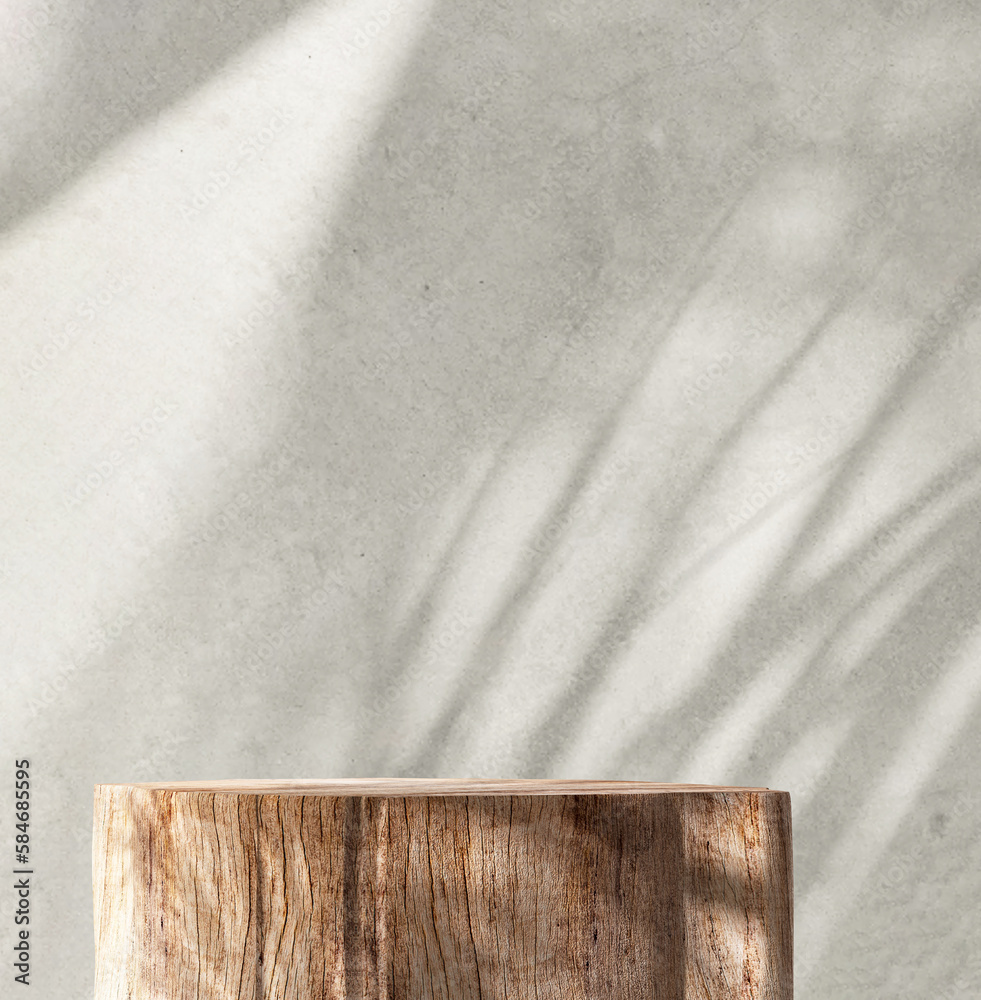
(396, 889)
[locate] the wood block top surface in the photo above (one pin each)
(401, 787)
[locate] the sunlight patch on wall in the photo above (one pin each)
(153, 345)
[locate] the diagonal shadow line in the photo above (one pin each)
(412, 633)
(965, 512)
(75, 128)
(718, 550)
(634, 609)
(761, 619)
(876, 427)
(848, 800)
(961, 522)
(816, 599)
(531, 581)
(950, 531)
(759, 400)
(917, 606)
(908, 379)
(941, 485)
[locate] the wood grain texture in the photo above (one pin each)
(455, 891)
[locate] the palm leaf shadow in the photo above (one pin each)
(521, 594)
(634, 608)
(773, 613)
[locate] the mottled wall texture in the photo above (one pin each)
(470, 389)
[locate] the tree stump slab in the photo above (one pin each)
(399, 889)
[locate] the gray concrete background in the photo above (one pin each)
(427, 389)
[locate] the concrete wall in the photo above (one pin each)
(467, 389)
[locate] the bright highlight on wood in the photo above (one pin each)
(402, 889)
